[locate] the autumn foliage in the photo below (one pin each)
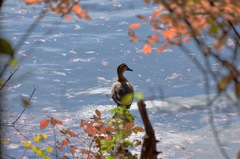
(176, 22)
(99, 139)
(63, 8)
(210, 24)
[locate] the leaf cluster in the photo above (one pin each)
(107, 138)
(63, 8)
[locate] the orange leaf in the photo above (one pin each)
(72, 134)
(154, 36)
(185, 39)
(60, 148)
(109, 128)
(134, 26)
(147, 49)
(67, 18)
(161, 48)
(133, 37)
(169, 34)
(73, 149)
(29, 2)
(55, 121)
(77, 8)
(88, 18)
(84, 151)
(147, 1)
(90, 130)
(65, 142)
(44, 124)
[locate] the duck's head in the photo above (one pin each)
(123, 67)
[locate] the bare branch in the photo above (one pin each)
(9, 78)
(34, 89)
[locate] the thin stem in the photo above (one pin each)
(9, 78)
(34, 89)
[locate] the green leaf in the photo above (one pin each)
(139, 95)
(109, 157)
(14, 62)
(127, 143)
(214, 29)
(127, 99)
(6, 48)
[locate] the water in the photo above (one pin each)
(74, 66)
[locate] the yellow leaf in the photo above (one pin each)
(27, 144)
(44, 136)
(49, 149)
(36, 139)
(14, 62)
(46, 157)
(34, 149)
(40, 152)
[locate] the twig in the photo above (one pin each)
(34, 89)
(9, 78)
(55, 143)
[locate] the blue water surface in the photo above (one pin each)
(73, 65)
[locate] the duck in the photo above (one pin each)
(122, 90)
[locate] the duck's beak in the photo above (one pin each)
(128, 69)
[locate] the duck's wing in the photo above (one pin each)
(119, 90)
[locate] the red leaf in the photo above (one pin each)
(72, 134)
(44, 124)
(161, 48)
(60, 148)
(73, 149)
(109, 128)
(65, 142)
(84, 151)
(129, 125)
(134, 26)
(133, 37)
(90, 130)
(147, 49)
(55, 121)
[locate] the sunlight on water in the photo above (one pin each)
(74, 66)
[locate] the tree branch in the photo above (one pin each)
(149, 150)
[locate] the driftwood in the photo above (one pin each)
(149, 149)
